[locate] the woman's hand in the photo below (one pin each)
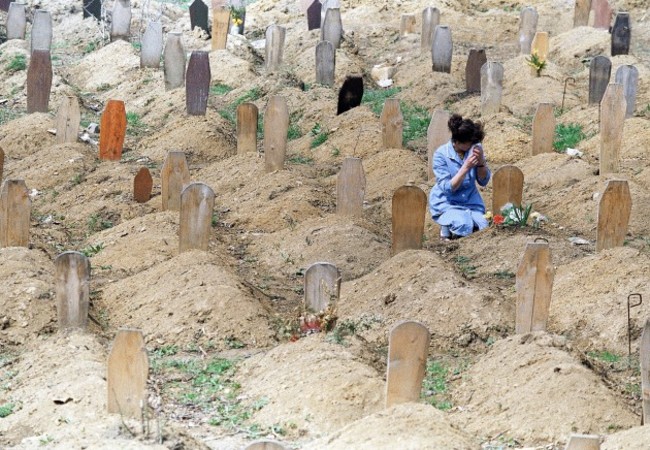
(477, 150)
(473, 160)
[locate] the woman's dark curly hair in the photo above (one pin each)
(464, 130)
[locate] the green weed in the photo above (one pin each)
(299, 159)
(230, 112)
(504, 274)
(91, 250)
(134, 124)
(320, 135)
(7, 115)
(375, 98)
(6, 410)
(465, 266)
(220, 89)
(90, 47)
(567, 136)
(416, 122)
(98, 223)
(294, 131)
(434, 385)
(604, 356)
(17, 63)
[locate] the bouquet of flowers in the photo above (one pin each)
(513, 215)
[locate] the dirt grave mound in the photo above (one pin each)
(319, 386)
(413, 425)
(572, 48)
(26, 135)
(594, 313)
(418, 285)
(191, 298)
(389, 170)
(353, 249)
(636, 438)
(528, 388)
(27, 306)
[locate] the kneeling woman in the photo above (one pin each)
(454, 202)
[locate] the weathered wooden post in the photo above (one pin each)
(628, 76)
(583, 442)
(197, 205)
(325, 63)
(602, 14)
(534, 285)
(539, 46)
(644, 358)
(314, 15)
(16, 21)
(527, 28)
(543, 129)
(491, 87)
(220, 24)
(174, 175)
(266, 445)
(67, 120)
(430, 20)
(128, 370)
(408, 212)
(581, 13)
(442, 49)
(142, 185)
(247, 117)
(332, 28)
(275, 36)
(112, 128)
(322, 286)
(121, 23)
(41, 31)
(15, 212)
(72, 289)
(437, 134)
(600, 70)
(507, 187)
(475, 60)
(612, 116)
(391, 124)
(350, 188)
(174, 61)
(199, 16)
(39, 81)
(151, 45)
(407, 24)
(614, 209)
(197, 83)
(276, 127)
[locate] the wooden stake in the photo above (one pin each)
(430, 20)
(67, 120)
(612, 117)
(628, 76)
(2, 164)
(266, 445)
(442, 49)
(332, 28)
(220, 25)
(583, 442)
(41, 31)
(322, 286)
(600, 70)
(121, 22)
(112, 130)
(276, 127)
(15, 211)
(16, 21)
(614, 209)
(174, 176)
(507, 187)
(644, 358)
(72, 289)
(391, 124)
(407, 24)
(197, 205)
(174, 57)
(491, 88)
(197, 83)
(581, 13)
(408, 347)
(247, 117)
(543, 129)
(408, 213)
(39, 81)
(151, 45)
(437, 134)
(275, 36)
(527, 29)
(475, 61)
(621, 34)
(128, 369)
(142, 185)
(534, 285)
(350, 188)
(539, 45)
(325, 63)
(602, 14)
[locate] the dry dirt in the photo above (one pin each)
(229, 363)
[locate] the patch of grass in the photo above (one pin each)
(348, 327)
(91, 250)
(525, 124)
(320, 135)
(299, 159)
(103, 87)
(567, 136)
(504, 274)
(336, 151)
(234, 343)
(97, 223)
(7, 115)
(17, 63)
(604, 356)
(134, 124)
(230, 112)
(434, 385)
(465, 266)
(90, 47)
(294, 131)
(220, 89)
(375, 98)
(137, 45)
(416, 122)
(6, 410)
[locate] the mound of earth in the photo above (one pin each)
(530, 389)
(571, 48)
(27, 305)
(353, 249)
(418, 285)
(594, 314)
(318, 386)
(389, 170)
(26, 135)
(191, 298)
(410, 426)
(636, 438)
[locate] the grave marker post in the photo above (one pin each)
(527, 28)
(644, 358)
(142, 185)
(199, 16)
(437, 134)
(41, 31)
(325, 63)
(600, 70)
(350, 188)
(475, 61)
(39, 81)
(174, 61)
(265, 445)
(328, 4)
(614, 209)
(128, 369)
(628, 76)
(407, 24)
(247, 117)
(430, 20)
(314, 15)
(197, 83)
(350, 94)
(16, 21)
(276, 127)
(15, 211)
(612, 117)
(507, 187)
(602, 14)
(543, 129)
(121, 23)
(332, 28)
(72, 289)
(408, 347)
(583, 442)
(539, 46)
(442, 49)
(151, 45)
(2, 162)
(409, 207)
(220, 25)
(197, 205)
(275, 36)
(67, 120)
(391, 123)
(322, 286)
(112, 131)
(621, 34)
(534, 284)
(581, 13)
(174, 175)
(491, 87)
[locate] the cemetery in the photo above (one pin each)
(214, 225)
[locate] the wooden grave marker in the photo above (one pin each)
(350, 94)
(275, 36)
(539, 46)
(314, 15)
(430, 20)
(16, 21)
(197, 205)
(581, 13)
(197, 83)
(199, 16)
(409, 208)
(2, 162)
(41, 31)
(392, 123)
(441, 49)
(121, 23)
(543, 129)
(15, 211)
(247, 117)
(475, 61)
(407, 24)
(332, 27)
(491, 87)
(527, 29)
(350, 188)
(276, 127)
(92, 8)
(152, 45)
(602, 14)
(142, 185)
(614, 209)
(534, 285)
(266, 445)
(437, 134)
(322, 286)
(174, 61)
(220, 25)
(507, 187)
(325, 63)
(112, 129)
(612, 118)
(72, 289)
(127, 373)
(174, 175)
(67, 120)
(621, 34)
(328, 4)
(644, 359)
(39, 81)
(628, 76)
(408, 347)
(600, 71)
(583, 442)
